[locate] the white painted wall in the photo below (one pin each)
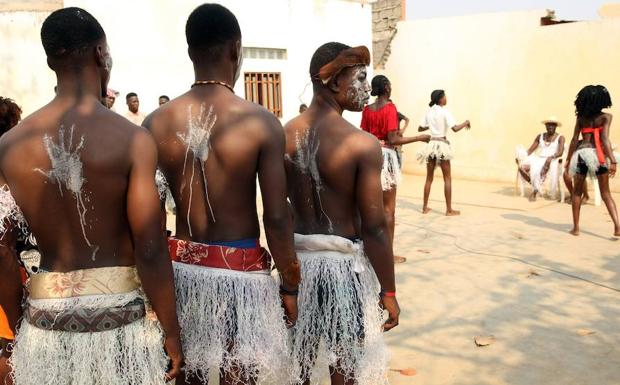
(147, 41)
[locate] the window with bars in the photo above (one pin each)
(265, 88)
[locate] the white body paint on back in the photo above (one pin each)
(305, 160)
(197, 140)
(67, 171)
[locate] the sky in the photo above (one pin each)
(565, 9)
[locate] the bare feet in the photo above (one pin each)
(426, 210)
(617, 232)
(532, 197)
(399, 259)
(585, 200)
(452, 213)
(574, 232)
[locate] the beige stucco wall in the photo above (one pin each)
(505, 73)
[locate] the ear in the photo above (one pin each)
(334, 84)
(99, 52)
(236, 50)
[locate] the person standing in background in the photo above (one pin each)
(133, 105)
(381, 120)
(163, 99)
(438, 151)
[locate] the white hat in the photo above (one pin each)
(552, 119)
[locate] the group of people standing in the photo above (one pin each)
(382, 120)
(590, 155)
(114, 301)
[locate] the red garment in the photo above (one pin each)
(221, 257)
(597, 142)
(380, 122)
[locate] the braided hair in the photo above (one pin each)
(591, 100)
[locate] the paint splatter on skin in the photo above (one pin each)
(67, 171)
(305, 160)
(197, 140)
(357, 93)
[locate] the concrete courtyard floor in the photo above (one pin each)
(505, 268)
(497, 271)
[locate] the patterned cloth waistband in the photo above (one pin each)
(85, 320)
(217, 256)
(97, 281)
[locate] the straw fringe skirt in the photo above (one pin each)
(589, 157)
(128, 355)
(340, 322)
(391, 173)
(232, 320)
(435, 150)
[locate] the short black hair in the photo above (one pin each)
(378, 85)
(10, 114)
(591, 100)
(129, 95)
(436, 96)
(209, 26)
(165, 97)
(68, 30)
(323, 55)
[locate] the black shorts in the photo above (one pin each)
(582, 168)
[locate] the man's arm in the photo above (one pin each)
(276, 217)
(375, 233)
(150, 249)
(533, 147)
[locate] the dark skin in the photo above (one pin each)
(548, 137)
(349, 163)
(119, 161)
(602, 120)
(446, 170)
(394, 139)
(163, 101)
(133, 104)
(246, 141)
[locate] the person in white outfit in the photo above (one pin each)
(540, 161)
(438, 152)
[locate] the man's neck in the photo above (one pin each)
(324, 103)
(78, 86)
(216, 72)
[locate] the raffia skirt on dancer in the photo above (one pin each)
(391, 173)
(586, 159)
(437, 149)
(88, 327)
(230, 312)
(340, 321)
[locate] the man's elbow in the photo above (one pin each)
(377, 231)
(277, 222)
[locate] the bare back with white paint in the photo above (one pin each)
(210, 145)
(67, 169)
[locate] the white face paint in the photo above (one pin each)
(357, 92)
(197, 140)
(67, 171)
(305, 160)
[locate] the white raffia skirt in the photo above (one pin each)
(589, 157)
(340, 322)
(128, 355)
(435, 150)
(391, 173)
(232, 320)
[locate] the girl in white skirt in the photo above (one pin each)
(438, 151)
